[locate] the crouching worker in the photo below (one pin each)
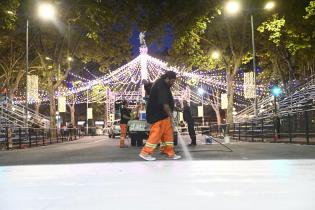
(124, 118)
(159, 115)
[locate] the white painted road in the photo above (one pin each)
(162, 185)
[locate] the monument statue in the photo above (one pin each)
(141, 38)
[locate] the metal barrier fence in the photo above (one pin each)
(298, 127)
(11, 138)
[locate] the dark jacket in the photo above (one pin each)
(160, 94)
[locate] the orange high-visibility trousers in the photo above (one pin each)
(160, 132)
(123, 134)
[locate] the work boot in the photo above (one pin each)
(175, 157)
(147, 157)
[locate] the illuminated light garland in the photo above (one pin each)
(127, 78)
(95, 77)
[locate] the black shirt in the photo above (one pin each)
(187, 114)
(160, 94)
(124, 111)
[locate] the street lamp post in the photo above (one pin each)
(47, 12)
(232, 8)
(276, 91)
(26, 72)
(254, 63)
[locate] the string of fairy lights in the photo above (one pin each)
(127, 79)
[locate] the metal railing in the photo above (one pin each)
(19, 137)
(294, 127)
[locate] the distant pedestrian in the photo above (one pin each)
(70, 131)
(159, 114)
(190, 122)
(124, 118)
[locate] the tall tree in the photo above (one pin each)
(86, 31)
(213, 30)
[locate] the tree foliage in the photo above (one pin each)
(8, 16)
(285, 43)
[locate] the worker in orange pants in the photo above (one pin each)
(124, 118)
(159, 115)
(161, 131)
(123, 134)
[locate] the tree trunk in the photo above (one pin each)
(230, 96)
(10, 132)
(37, 106)
(218, 115)
(72, 111)
(52, 108)
(105, 113)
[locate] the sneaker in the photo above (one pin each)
(175, 157)
(192, 145)
(147, 157)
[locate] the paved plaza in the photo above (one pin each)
(93, 173)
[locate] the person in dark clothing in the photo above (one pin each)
(124, 118)
(70, 131)
(159, 113)
(190, 122)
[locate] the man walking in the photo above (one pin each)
(159, 114)
(124, 118)
(190, 122)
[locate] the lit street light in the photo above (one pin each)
(270, 5)
(233, 7)
(46, 11)
(215, 55)
(276, 91)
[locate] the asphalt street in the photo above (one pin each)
(103, 149)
